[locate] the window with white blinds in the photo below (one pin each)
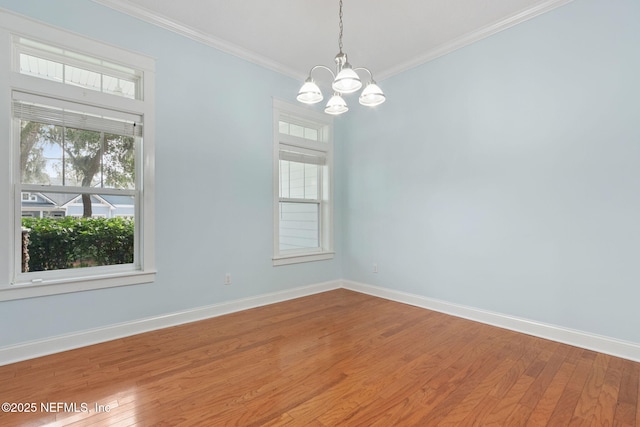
(60, 145)
(80, 192)
(300, 198)
(303, 205)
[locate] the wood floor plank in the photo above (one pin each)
(508, 404)
(638, 406)
(547, 403)
(628, 397)
(588, 401)
(433, 379)
(607, 400)
(567, 402)
(336, 358)
(475, 406)
(458, 389)
(544, 376)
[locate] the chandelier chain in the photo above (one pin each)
(341, 29)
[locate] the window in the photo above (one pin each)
(303, 155)
(73, 68)
(82, 154)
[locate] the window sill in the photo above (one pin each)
(299, 258)
(76, 284)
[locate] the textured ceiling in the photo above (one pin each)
(290, 36)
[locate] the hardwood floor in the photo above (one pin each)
(337, 358)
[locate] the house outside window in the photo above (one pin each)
(303, 185)
(82, 158)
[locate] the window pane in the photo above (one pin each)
(311, 181)
(120, 87)
(119, 162)
(41, 156)
(284, 179)
(311, 134)
(59, 237)
(83, 158)
(296, 130)
(283, 127)
(40, 67)
(57, 155)
(299, 225)
(83, 78)
(298, 180)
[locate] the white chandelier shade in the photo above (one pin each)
(345, 81)
(336, 105)
(372, 95)
(309, 92)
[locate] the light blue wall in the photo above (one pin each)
(213, 152)
(506, 175)
(503, 176)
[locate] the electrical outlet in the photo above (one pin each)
(375, 267)
(227, 279)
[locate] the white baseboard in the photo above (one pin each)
(602, 344)
(32, 349)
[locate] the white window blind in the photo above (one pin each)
(59, 116)
(303, 156)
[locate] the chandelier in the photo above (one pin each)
(345, 80)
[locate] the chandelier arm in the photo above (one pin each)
(323, 67)
(365, 69)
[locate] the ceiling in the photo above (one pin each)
(291, 36)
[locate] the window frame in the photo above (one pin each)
(324, 146)
(13, 284)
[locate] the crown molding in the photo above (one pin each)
(240, 52)
(199, 36)
(473, 37)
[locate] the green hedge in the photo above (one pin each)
(58, 243)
